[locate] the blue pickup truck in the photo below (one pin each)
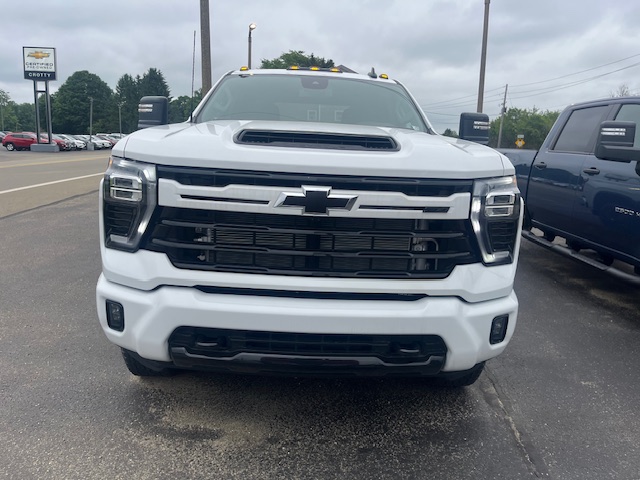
(584, 184)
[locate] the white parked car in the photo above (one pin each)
(98, 143)
(78, 144)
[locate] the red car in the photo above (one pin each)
(19, 141)
(62, 145)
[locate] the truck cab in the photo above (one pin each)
(584, 182)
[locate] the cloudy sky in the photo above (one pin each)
(550, 52)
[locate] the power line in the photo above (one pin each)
(461, 98)
(456, 102)
(555, 88)
(576, 73)
(461, 104)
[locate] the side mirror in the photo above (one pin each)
(474, 127)
(615, 142)
(153, 111)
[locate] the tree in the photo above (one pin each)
(180, 108)
(153, 83)
(450, 133)
(622, 91)
(296, 57)
(533, 124)
(128, 96)
(7, 111)
(71, 104)
(25, 117)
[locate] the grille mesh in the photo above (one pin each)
(311, 246)
(502, 235)
(119, 219)
(220, 343)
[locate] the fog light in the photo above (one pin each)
(498, 329)
(115, 316)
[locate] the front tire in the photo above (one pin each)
(573, 245)
(10, 147)
(140, 370)
(548, 236)
(605, 259)
(461, 379)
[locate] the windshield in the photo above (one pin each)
(309, 98)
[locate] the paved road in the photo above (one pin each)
(28, 179)
(560, 403)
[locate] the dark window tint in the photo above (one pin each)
(312, 98)
(579, 132)
(631, 113)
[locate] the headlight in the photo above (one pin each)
(495, 216)
(129, 198)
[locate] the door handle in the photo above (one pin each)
(540, 165)
(591, 171)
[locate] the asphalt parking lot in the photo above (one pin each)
(560, 403)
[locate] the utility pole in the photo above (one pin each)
(502, 112)
(483, 59)
(205, 45)
(90, 144)
(252, 27)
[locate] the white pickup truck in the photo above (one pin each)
(308, 222)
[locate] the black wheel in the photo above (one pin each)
(137, 368)
(606, 259)
(461, 379)
(526, 221)
(10, 147)
(573, 245)
(548, 236)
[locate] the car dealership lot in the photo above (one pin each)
(560, 403)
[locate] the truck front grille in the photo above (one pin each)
(310, 245)
(220, 343)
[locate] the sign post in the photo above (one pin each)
(40, 66)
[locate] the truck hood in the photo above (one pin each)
(213, 145)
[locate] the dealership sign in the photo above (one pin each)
(39, 63)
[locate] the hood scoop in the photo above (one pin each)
(281, 138)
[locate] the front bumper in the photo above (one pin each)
(151, 317)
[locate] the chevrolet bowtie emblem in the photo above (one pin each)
(38, 55)
(316, 200)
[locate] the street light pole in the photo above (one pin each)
(90, 144)
(2, 105)
(120, 117)
(252, 27)
(483, 59)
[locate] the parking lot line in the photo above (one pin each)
(50, 183)
(83, 159)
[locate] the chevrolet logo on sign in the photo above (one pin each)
(38, 55)
(316, 200)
